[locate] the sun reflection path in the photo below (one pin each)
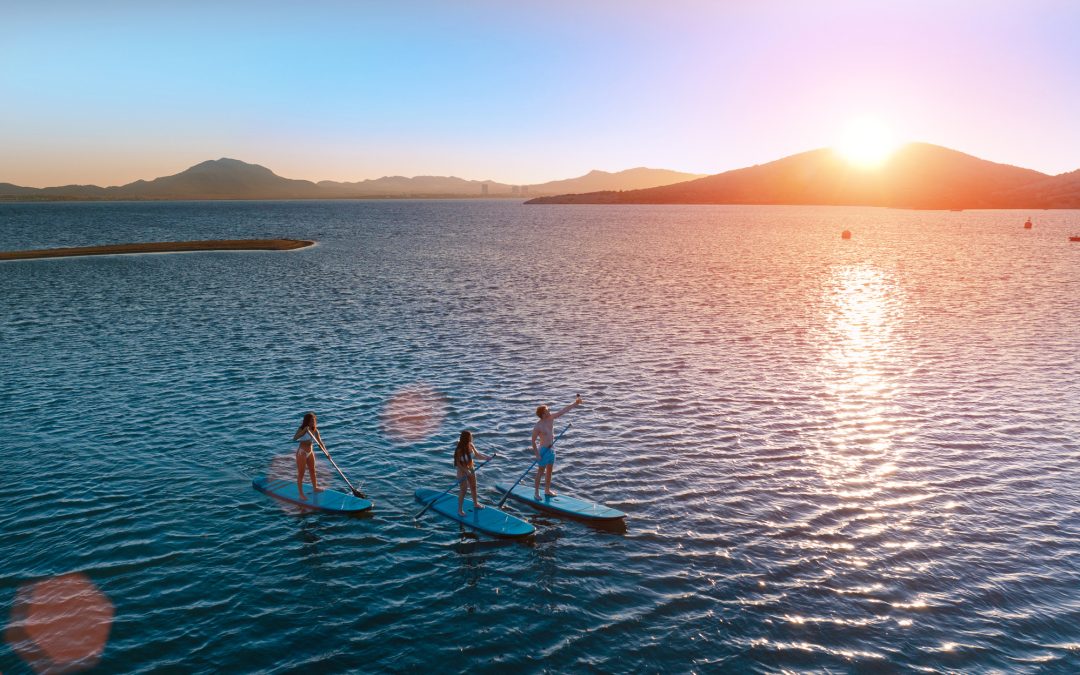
(861, 306)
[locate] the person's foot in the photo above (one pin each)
(550, 493)
(303, 497)
(477, 507)
(461, 513)
(536, 496)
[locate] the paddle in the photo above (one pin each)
(503, 500)
(355, 492)
(467, 474)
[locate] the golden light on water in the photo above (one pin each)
(861, 306)
(60, 624)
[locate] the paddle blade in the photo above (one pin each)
(424, 510)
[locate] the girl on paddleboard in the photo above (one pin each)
(464, 454)
(307, 435)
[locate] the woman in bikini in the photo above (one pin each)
(463, 462)
(307, 435)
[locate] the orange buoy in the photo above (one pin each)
(846, 234)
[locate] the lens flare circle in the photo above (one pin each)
(413, 413)
(60, 624)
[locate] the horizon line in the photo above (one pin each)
(500, 182)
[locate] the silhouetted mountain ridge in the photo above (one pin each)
(227, 178)
(630, 179)
(918, 175)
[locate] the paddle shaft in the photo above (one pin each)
(467, 474)
(503, 500)
(326, 452)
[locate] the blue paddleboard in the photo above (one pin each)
(488, 520)
(325, 500)
(563, 505)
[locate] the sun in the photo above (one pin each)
(866, 142)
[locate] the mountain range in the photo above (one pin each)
(232, 179)
(916, 176)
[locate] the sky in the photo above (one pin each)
(108, 92)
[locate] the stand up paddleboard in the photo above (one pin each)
(488, 520)
(331, 501)
(563, 505)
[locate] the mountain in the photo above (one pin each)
(215, 179)
(918, 175)
(232, 179)
(221, 179)
(401, 186)
(631, 179)
(8, 189)
(1056, 192)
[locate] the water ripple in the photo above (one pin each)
(836, 456)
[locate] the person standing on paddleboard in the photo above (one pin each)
(544, 432)
(463, 462)
(307, 435)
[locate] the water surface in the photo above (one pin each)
(836, 455)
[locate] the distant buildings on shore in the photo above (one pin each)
(515, 190)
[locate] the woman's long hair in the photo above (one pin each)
(309, 423)
(462, 457)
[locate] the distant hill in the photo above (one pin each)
(631, 179)
(232, 179)
(401, 186)
(15, 190)
(215, 179)
(918, 175)
(1055, 192)
(222, 179)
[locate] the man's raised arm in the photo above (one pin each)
(567, 409)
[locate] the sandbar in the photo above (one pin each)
(162, 247)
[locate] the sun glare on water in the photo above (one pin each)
(866, 143)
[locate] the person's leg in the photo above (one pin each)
(472, 484)
(539, 474)
(547, 481)
(301, 466)
(311, 469)
(461, 492)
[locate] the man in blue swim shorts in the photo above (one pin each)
(544, 433)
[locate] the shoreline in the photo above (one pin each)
(161, 247)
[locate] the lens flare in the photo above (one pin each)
(61, 624)
(413, 414)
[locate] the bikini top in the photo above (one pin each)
(306, 437)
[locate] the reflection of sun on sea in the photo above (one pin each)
(861, 308)
(866, 143)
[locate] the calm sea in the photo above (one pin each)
(836, 456)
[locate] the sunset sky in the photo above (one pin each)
(522, 92)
